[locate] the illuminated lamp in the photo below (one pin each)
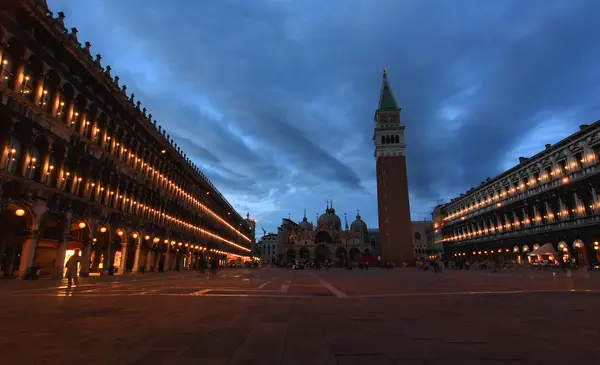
(82, 225)
(135, 235)
(147, 237)
(565, 180)
(20, 212)
(156, 239)
(103, 229)
(179, 244)
(119, 233)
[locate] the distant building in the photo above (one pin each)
(268, 246)
(328, 240)
(420, 244)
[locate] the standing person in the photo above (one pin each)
(71, 266)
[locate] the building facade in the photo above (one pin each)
(327, 240)
(421, 246)
(392, 180)
(83, 165)
(269, 248)
(550, 198)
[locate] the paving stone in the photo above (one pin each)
(389, 317)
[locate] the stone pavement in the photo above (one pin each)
(277, 316)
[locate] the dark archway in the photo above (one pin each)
(322, 253)
(304, 253)
(322, 237)
(340, 253)
(291, 254)
(354, 253)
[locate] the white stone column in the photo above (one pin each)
(136, 258)
(123, 268)
(149, 256)
(59, 265)
(28, 253)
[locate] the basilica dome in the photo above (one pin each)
(330, 219)
(305, 225)
(358, 225)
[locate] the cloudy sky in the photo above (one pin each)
(274, 99)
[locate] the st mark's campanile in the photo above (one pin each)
(395, 229)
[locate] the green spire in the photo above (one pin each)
(387, 100)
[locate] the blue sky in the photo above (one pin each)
(274, 99)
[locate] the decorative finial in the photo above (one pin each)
(304, 213)
(331, 201)
(385, 71)
(327, 203)
(248, 216)
(357, 213)
(289, 216)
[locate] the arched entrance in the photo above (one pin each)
(340, 254)
(322, 238)
(322, 253)
(291, 254)
(304, 253)
(16, 224)
(354, 253)
(51, 237)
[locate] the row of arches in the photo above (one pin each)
(390, 139)
(57, 99)
(45, 243)
(323, 252)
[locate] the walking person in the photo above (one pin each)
(71, 266)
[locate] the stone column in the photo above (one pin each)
(149, 255)
(157, 257)
(136, 258)
(123, 268)
(59, 266)
(85, 258)
(28, 253)
(166, 266)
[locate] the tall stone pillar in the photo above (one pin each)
(59, 266)
(123, 268)
(85, 258)
(167, 266)
(149, 256)
(136, 258)
(28, 253)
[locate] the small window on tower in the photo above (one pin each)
(382, 139)
(397, 138)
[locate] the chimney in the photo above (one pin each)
(583, 126)
(548, 145)
(523, 159)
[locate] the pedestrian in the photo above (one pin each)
(71, 266)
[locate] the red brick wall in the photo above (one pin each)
(395, 229)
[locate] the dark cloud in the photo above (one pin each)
(275, 98)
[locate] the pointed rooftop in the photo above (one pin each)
(387, 101)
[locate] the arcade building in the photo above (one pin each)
(546, 208)
(84, 166)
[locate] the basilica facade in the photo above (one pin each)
(327, 240)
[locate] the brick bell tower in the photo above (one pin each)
(395, 228)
